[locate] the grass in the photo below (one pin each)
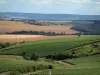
(79, 45)
(47, 47)
(85, 62)
(83, 66)
(56, 23)
(21, 65)
(92, 71)
(83, 50)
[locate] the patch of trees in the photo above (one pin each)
(37, 33)
(60, 56)
(88, 28)
(32, 22)
(34, 56)
(4, 45)
(7, 44)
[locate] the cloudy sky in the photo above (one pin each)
(84, 7)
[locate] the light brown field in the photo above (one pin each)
(20, 38)
(10, 26)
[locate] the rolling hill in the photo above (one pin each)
(87, 48)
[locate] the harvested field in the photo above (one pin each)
(20, 38)
(11, 26)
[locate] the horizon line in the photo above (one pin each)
(50, 13)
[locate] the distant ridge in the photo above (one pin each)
(40, 16)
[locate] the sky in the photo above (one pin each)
(82, 7)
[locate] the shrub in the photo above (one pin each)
(34, 57)
(50, 67)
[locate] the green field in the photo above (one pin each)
(47, 47)
(22, 66)
(56, 23)
(83, 66)
(85, 48)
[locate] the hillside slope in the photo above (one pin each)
(48, 47)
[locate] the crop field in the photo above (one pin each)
(21, 38)
(56, 23)
(47, 47)
(9, 26)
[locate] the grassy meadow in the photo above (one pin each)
(85, 48)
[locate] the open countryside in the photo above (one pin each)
(49, 37)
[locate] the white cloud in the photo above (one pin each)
(39, 2)
(97, 2)
(3, 1)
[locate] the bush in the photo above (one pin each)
(50, 67)
(34, 57)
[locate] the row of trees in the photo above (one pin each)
(42, 33)
(88, 28)
(7, 44)
(4, 45)
(37, 33)
(60, 56)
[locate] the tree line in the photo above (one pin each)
(41, 33)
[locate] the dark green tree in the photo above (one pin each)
(34, 57)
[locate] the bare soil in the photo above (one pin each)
(20, 38)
